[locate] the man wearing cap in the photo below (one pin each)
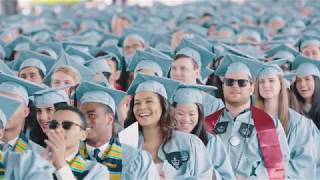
(310, 47)
(131, 44)
(20, 90)
(190, 66)
(16, 165)
(67, 130)
(256, 142)
(99, 104)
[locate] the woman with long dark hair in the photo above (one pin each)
(271, 97)
(46, 101)
(176, 154)
(306, 87)
(189, 115)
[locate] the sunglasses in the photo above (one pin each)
(241, 82)
(66, 125)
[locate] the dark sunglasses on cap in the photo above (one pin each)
(240, 82)
(66, 125)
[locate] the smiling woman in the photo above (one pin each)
(176, 154)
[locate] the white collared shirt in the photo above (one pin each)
(11, 143)
(101, 148)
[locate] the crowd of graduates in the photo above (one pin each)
(203, 90)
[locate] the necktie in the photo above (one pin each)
(96, 152)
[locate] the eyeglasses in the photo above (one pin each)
(240, 82)
(66, 125)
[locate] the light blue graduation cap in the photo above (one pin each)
(8, 107)
(305, 66)
(282, 52)
(272, 68)
(232, 63)
(187, 93)
(228, 49)
(258, 34)
(250, 49)
(165, 49)
(91, 92)
(109, 40)
(194, 29)
(65, 59)
(136, 33)
(88, 23)
(201, 55)
(125, 15)
(5, 69)
(147, 60)
(275, 17)
(226, 27)
(77, 43)
(186, 16)
(198, 40)
(20, 43)
(51, 49)
(80, 56)
(93, 35)
(41, 35)
(162, 86)
(18, 86)
(156, 52)
(50, 96)
(307, 40)
(99, 64)
(28, 58)
(114, 51)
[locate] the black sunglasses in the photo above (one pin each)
(66, 125)
(240, 82)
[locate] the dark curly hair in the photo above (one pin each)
(166, 119)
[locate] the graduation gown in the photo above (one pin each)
(184, 156)
(301, 144)
(240, 138)
(27, 165)
(220, 158)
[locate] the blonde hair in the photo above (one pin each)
(71, 71)
(283, 103)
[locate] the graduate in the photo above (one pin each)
(67, 71)
(240, 128)
(17, 165)
(271, 97)
(114, 60)
(309, 46)
(100, 104)
(101, 68)
(306, 86)
(19, 89)
(190, 66)
(189, 115)
(67, 130)
(149, 63)
(46, 101)
(32, 66)
(176, 154)
(131, 43)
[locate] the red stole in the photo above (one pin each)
(268, 140)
